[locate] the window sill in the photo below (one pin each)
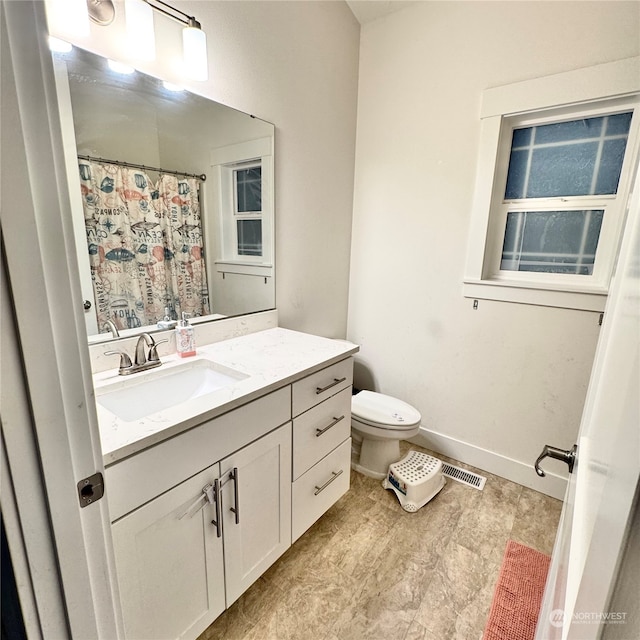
(244, 268)
(525, 293)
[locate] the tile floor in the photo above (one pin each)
(369, 570)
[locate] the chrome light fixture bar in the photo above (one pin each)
(140, 28)
(194, 40)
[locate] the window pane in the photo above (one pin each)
(517, 174)
(249, 237)
(249, 190)
(551, 241)
(565, 170)
(572, 130)
(610, 165)
(618, 124)
(575, 158)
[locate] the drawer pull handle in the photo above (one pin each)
(319, 432)
(334, 475)
(336, 381)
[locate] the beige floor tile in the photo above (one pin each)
(536, 520)
(368, 570)
(458, 590)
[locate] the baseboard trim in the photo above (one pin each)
(552, 484)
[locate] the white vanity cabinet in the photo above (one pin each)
(170, 563)
(274, 465)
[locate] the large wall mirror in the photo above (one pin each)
(172, 199)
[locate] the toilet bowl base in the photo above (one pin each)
(376, 456)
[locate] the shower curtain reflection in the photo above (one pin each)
(145, 245)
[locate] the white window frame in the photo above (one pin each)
(225, 160)
(608, 88)
(231, 171)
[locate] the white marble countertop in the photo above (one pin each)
(271, 359)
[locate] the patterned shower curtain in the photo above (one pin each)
(145, 245)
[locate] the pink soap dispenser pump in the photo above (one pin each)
(185, 340)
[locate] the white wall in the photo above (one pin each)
(506, 378)
(294, 64)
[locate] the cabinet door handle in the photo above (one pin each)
(217, 497)
(334, 475)
(233, 475)
(319, 432)
(336, 381)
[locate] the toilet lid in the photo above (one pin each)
(378, 409)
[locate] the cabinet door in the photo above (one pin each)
(169, 564)
(256, 505)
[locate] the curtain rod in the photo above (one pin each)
(201, 176)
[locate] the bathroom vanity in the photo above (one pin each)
(206, 494)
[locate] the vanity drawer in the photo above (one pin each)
(321, 385)
(320, 430)
(319, 488)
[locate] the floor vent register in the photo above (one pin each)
(463, 476)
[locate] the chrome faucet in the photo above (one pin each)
(114, 330)
(145, 340)
(142, 360)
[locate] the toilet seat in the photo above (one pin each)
(383, 412)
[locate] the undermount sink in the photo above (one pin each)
(138, 397)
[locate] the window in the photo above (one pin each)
(242, 184)
(550, 200)
(248, 210)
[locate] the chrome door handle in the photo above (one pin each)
(217, 497)
(568, 456)
(233, 475)
(319, 432)
(336, 381)
(334, 475)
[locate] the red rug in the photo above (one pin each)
(518, 594)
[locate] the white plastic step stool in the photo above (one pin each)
(415, 479)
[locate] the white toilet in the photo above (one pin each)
(378, 423)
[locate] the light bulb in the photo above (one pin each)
(169, 86)
(194, 49)
(120, 67)
(68, 18)
(141, 37)
(59, 46)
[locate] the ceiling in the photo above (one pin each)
(370, 10)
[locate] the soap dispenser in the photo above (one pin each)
(185, 340)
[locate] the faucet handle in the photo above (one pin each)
(153, 351)
(125, 360)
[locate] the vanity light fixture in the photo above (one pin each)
(141, 33)
(68, 18)
(120, 67)
(141, 36)
(194, 40)
(194, 49)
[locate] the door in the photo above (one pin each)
(61, 551)
(256, 506)
(599, 500)
(169, 562)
